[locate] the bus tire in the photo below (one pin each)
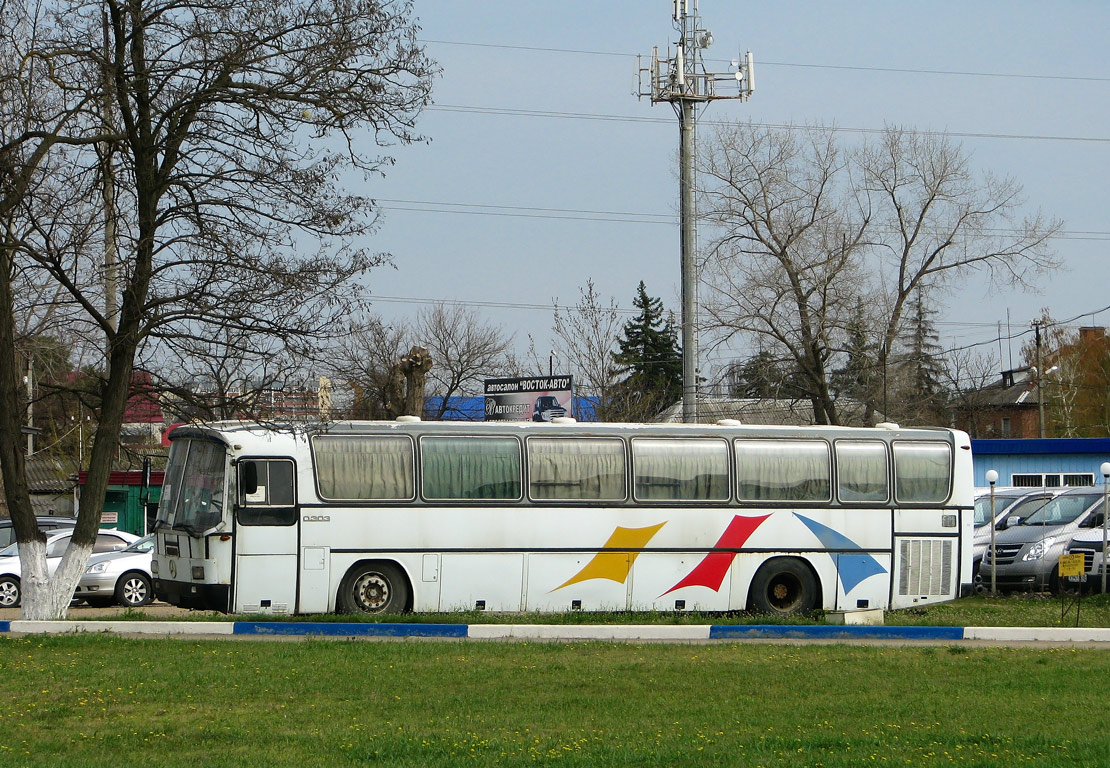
(374, 588)
(784, 586)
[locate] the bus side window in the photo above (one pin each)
(266, 494)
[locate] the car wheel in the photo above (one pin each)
(133, 589)
(374, 588)
(9, 592)
(784, 586)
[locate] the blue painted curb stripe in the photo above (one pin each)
(5, 626)
(832, 632)
(348, 630)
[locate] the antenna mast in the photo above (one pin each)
(683, 81)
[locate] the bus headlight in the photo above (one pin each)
(1037, 551)
(154, 567)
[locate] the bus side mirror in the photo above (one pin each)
(248, 478)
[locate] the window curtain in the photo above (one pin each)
(364, 467)
(782, 470)
(681, 470)
(862, 470)
(470, 468)
(922, 471)
(574, 469)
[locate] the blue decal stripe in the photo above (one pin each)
(348, 630)
(832, 632)
(851, 568)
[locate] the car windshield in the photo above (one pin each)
(11, 550)
(1062, 510)
(983, 509)
(145, 544)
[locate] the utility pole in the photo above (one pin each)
(1040, 375)
(682, 81)
(30, 381)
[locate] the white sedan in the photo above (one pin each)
(56, 543)
(119, 577)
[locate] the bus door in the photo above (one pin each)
(266, 530)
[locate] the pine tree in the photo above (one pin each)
(857, 379)
(650, 358)
(921, 371)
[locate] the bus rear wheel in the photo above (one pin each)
(374, 588)
(784, 587)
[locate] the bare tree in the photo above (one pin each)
(968, 374)
(464, 351)
(363, 360)
(228, 124)
(806, 231)
(584, 340)
(937, 221)
(784, 262)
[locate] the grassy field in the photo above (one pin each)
(97, 700)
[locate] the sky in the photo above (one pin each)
(544, 170)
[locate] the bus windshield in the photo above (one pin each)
(193, 493)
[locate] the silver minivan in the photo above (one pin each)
(1011, 505)
(1028, 550)
(1088, 542)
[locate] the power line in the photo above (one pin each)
(512, 112)
(491, 304)
(632, 217)
(894, 70)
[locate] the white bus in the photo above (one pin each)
(386, 517)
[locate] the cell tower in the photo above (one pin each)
(683, 81)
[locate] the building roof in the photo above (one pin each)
(1044, 445)
(50, 475)
(1016, 389)
(762, 411)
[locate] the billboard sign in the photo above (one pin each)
(533, 398)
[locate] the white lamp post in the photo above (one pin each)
(992, 478)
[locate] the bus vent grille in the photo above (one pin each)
(926, 567)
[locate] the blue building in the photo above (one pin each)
(1052, 462)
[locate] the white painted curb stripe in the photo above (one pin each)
(126, 627)
(1039, 634)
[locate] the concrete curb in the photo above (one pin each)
(579, 632)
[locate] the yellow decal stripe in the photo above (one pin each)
(615, 560)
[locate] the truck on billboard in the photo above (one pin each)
(535, 398)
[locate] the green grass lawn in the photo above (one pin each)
(99, 700)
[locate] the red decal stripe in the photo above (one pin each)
(710, 572)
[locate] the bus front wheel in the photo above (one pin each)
(374, 588)
(784, 586)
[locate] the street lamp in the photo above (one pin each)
(1105, 469)
(992, 478)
